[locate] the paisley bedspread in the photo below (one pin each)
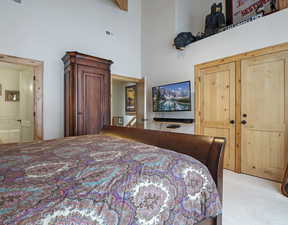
(102, 180)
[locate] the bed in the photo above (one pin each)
(122, 176)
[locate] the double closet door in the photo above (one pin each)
(246, 101)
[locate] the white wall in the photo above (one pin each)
(44, 30)
(119, 98)
(162, 64)
(9, 79)
(191, 14)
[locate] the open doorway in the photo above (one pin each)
(128, 101)
(21, 113)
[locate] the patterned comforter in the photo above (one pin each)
(102, 180)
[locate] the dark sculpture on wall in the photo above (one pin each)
(183, 39)
(215, 20)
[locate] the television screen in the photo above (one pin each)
(172, 97)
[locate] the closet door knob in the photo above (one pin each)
(244, 122)
(232, 121)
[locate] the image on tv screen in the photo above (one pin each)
(172, 97)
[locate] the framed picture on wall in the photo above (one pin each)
(238, 11)
(0, 89)
(12, 96)
(130, 102)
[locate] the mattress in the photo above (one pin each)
(103, 180)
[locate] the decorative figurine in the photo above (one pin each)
(215, 20)
(273, 5)
(260, 10)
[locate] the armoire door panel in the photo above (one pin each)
(264, 102)
(217, 107)
(91, 101)
(93, 104)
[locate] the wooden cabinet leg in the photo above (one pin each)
(285, 183)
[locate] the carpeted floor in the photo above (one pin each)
(253, 201)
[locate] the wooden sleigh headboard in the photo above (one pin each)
(208, 150)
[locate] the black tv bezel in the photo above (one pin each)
(190, 97)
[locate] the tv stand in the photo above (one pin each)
(173, 120)
(175, 125)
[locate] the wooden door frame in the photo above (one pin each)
(124, 79)
(38, 67)
(237, 60)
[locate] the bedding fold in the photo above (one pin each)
(103, 180)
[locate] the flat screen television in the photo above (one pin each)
(172, 97)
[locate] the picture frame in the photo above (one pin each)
(0, 90)
(12, 96)
(130, 99)
(238, 11)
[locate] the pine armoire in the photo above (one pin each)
(245, 99)
(87, 93)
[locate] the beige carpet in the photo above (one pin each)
(253, 201)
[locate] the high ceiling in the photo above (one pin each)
(122, 4)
